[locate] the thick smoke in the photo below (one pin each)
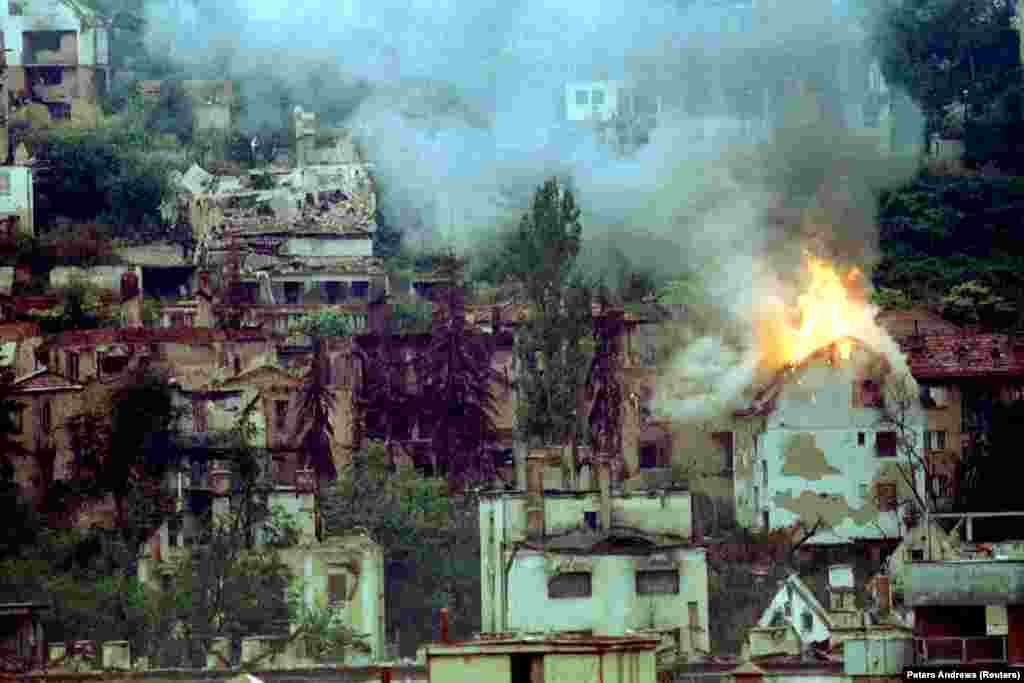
(459, 106)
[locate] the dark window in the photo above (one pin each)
(658, 582)
(582, 98)
(424, 289)
(870, 394)
(935, 440)
(337, 588)
(725, 443)
(916, 555)
(886, 444)
(333, 292)
(174, 531)
(887, 496)
(238, 365)
(570, 585)
(860, 438)
(808, 621)
(590, 520)
(198, 415)
(111, 365)
(280, 416)
(292, 292)
(73, 366)
(652, 456)
(45, 416)
(527, 668)
(17, 415)
(597, 97)
(401, 426)
(360, 289)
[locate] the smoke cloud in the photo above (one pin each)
(459, 104)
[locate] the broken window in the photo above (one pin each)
(360, 289)
(725, 442)
(570, 585)
(333, 292)
(582, 98)
(45, 418)
(526, 668)
(886, 444)
(860, 438)
(292, 292)
(869, 394)
(652, 456)
(590, 520)
(887, 496)
(657, 582)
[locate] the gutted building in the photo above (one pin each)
(826, 455)
(59, 52)
(593, 560)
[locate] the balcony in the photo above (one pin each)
(960, 650)
(965, 583)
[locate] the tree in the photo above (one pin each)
(429, 536)
(327, 323)
(902, 412)
(316, 404)
(21, 527)
(456, 386)
(126, 453)
(943, 51)
(551, 346)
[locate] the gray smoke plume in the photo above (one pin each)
(459, 104)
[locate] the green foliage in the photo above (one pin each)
(316, 404)
(542, 257)
(107, 175)
(430, 539)
(172, 113)
(79, 309)
(327, 323)
(939, 232)
(888, 298)
(972, 302)
(411, 317)
(325, 635)
(263, 181)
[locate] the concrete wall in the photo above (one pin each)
(611, 667)
(19, 201)
(106, 278)
(496, 668)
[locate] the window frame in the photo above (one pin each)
(648, 579)
(566, 577)
(883, 449)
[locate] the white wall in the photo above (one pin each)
(19, 200)
(51, 15)
(798, 606)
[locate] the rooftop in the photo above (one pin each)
(964, 355)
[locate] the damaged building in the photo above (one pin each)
(58, 53)
(825, 457)
(593, 559)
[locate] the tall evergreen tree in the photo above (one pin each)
(456, 383)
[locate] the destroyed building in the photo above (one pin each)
(59, 53)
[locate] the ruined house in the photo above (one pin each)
(59, 53)
(17, 206)
(593, 560)
(824, 457)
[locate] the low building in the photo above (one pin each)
(505, 658)
(593, 560)
(969, 611)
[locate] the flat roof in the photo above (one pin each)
(543, 644)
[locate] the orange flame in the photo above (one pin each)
(831, 310)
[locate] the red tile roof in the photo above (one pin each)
(964, 355)
(145, 335)
(18, 331)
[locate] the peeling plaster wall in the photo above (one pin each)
(18, 202)
(810, 463)
(614, 605)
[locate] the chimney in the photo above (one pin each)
(840, 588)
(536, 460)
(604, 482)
